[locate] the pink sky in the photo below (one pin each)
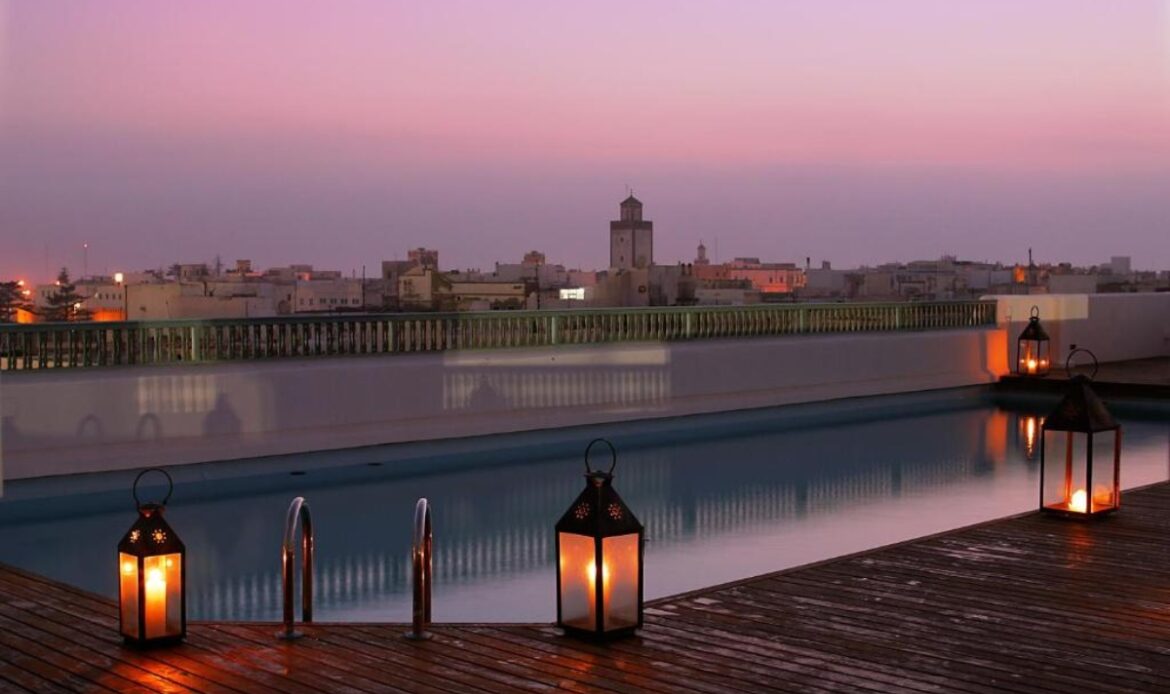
(341, 133)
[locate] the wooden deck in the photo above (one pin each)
(1025, 604)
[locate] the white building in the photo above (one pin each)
(315, 296)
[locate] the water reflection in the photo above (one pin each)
(714, 511)
(1028, 435)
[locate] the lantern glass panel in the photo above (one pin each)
(1065, 473)
(1104, 479)
(1033, 357)
(128, 588)
(162, 604)
(620, 568)
(578, 573)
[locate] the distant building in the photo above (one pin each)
(1120, 265)
(824, 282)
(424, 257)
(701, 255)
(423, 288)
(317, 296)
(767, 278)
(631, 238)
(484, 296)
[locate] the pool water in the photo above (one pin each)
(716, 508)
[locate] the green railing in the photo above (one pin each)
(76, 345)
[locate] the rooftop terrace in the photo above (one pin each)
(1025, 604)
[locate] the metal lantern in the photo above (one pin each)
(599, 560)
(1032, 348)
(152, 568)
(1080, 454)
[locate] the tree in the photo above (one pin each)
(12, 299)
(65, 304)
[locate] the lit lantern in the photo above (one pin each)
(151, 572)
(1080, 455)
(599, 560)
(1032, 348)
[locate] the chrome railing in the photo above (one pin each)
(298, 514)
(75, 345)
(422, 573)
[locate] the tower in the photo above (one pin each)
(701, 255)
(631, 239)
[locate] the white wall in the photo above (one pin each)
(67, 422)
(1116, 327)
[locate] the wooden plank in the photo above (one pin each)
(198, 654)
(628, 674)
(339, 665)
(850, 662)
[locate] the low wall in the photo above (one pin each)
(1116, 327)
(65, 422)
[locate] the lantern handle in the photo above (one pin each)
(612, 456)
(1035, 313)
(170, 485)
(1068, 361)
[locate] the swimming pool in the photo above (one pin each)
(722, 497)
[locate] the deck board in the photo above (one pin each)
(1024, 604)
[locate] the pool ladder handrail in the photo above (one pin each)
(298, 514)
(422, 571)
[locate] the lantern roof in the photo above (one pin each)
(1033, 330)
(1080, 410)
(598, 510)
(150, 534)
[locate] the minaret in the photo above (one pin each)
(701, 255)
(631, 239)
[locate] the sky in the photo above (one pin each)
(343, 133)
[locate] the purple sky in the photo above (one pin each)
(344, 132)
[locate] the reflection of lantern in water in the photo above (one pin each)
(1029, 432)
(599, 560)
(151, 571)
(1080, 452)
(1032, 348)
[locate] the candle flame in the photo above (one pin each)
(591, 572)
(1079, 502)
(155, 580)
(127, 567)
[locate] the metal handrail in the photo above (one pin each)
(421, 559)
(298, 513)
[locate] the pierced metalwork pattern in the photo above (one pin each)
(615, 511)
(134, 535)
(582, 510)
(159, 536)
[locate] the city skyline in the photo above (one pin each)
(835, 131)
